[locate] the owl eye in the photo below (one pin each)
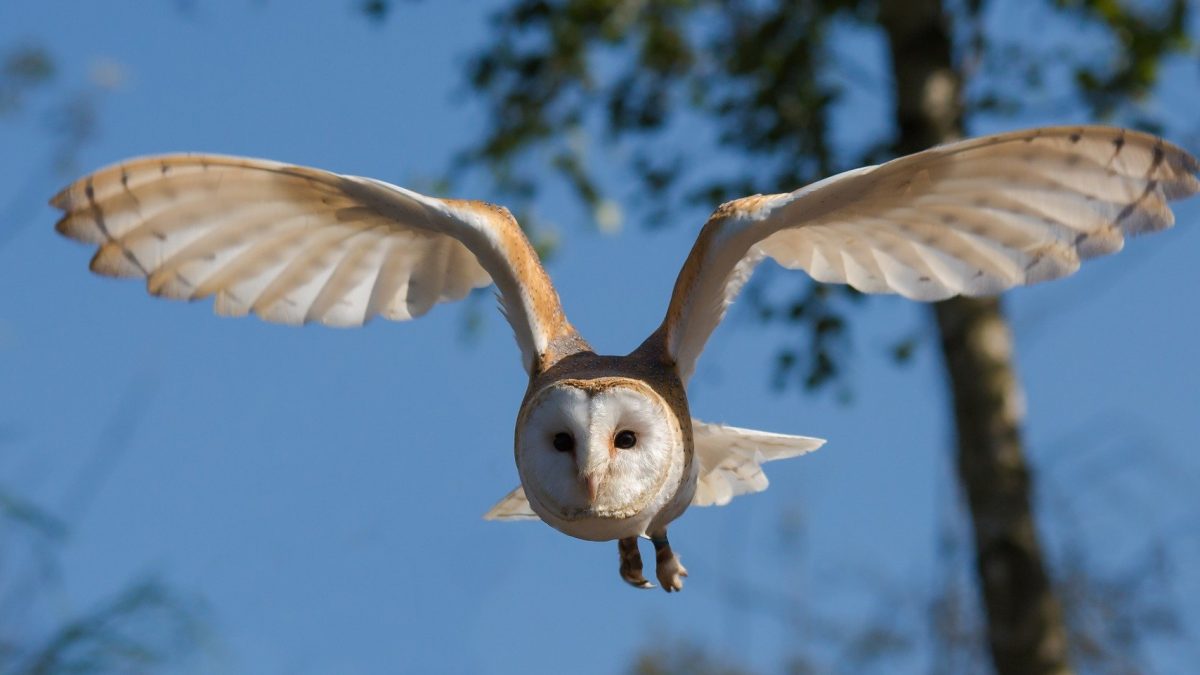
(564, 442)
(625, 439)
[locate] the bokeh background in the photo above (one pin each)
(266, 499)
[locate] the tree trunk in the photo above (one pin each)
(1025, 628)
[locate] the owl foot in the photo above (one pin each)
(668, 569)
(631, 563)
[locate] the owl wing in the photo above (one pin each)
(972, 218)
(514, 506)
(731, 459)
(730, 464)
(296, 245)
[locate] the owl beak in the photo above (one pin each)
(593, 467)
(592, 482)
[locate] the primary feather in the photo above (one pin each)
(296, 245)
(972, 218)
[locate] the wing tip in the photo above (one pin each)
(62, 199)
(111, 260)
(495, 516)
(77, 227)
(1188, 161)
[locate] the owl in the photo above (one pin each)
(605, 446)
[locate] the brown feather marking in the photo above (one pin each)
(690, 275)
(542, 302)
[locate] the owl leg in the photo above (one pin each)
(669, 570)
(631, 563)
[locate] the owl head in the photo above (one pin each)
(597, 455)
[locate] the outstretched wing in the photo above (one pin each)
(730, 464)
(296, 245)
(973, 218)
(731, 459)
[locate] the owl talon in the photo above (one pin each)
(631, 563)
(638, 582)
(668, 569)
(671, 574)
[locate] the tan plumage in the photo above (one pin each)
(973, 218)
(606, 445)
(296, 245)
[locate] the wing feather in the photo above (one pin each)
(731, 459)
(298, 245)
(974, 217)
(514, 506)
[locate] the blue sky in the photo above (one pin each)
(321, 490)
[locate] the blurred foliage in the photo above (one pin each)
(144, 624)
(1144, 35)
(22, 70)
(68, 116)
(757, 85)
(818, 312)
(377, 10)
(686, 658)
(1111, 616)
(34, 100)
(141, 627)
(25, 514)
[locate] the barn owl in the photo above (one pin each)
(605, 446)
